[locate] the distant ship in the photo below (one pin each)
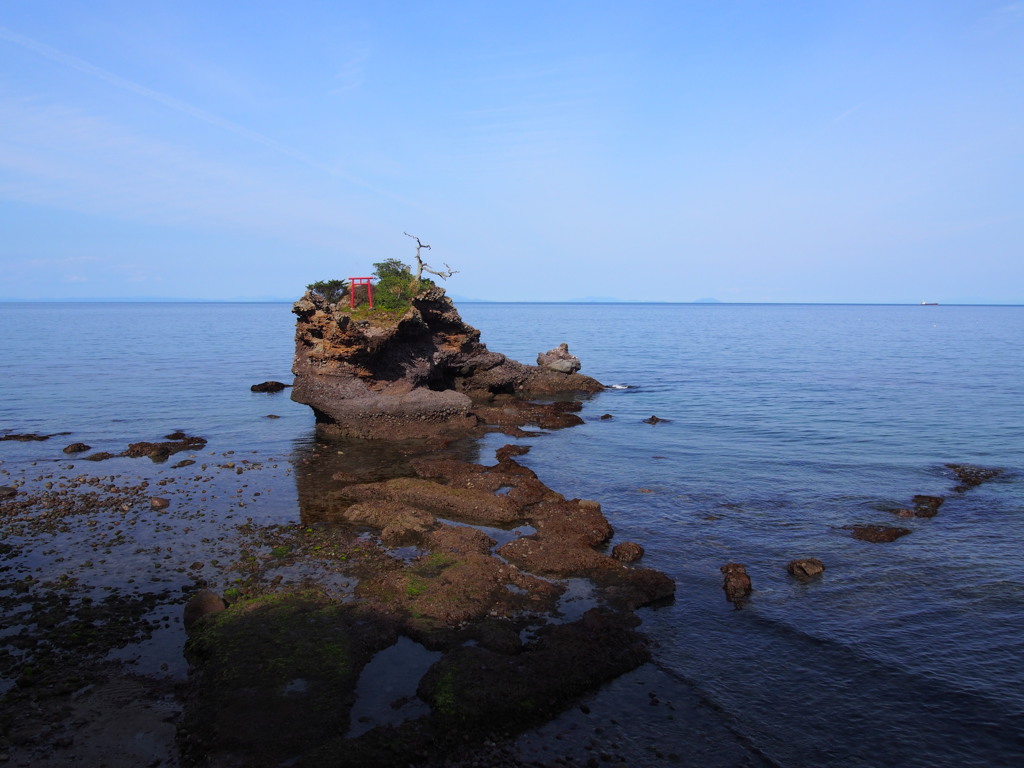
(929, 303)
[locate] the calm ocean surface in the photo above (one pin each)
(786, 422)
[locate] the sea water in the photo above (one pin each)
(782, 424)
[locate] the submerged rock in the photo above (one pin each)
(971, 476)
(878, 534)
(7, 492)
(77, 448)
(25, 438)
(654, 420)
(160, 451)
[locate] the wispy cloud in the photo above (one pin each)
(849, 113)
(80, 65)
(351, 76)
(59, 156)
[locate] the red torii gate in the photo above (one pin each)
(353, 282)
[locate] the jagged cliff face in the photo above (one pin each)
(417, 377)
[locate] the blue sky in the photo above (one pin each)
(671, 151)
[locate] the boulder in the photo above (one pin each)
(77, 448)
(805, 568)
(627, 552)
(202, 603)
(158, 502)
(736, 583)
(654, 420)
(7, 492)
(559, 360)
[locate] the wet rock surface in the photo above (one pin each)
(736, 583)
(419, 374)
(269, 386)
(805, 568)
(509, 659)
(627, 552)
(924, 506)
(879, 534)
(971, 476)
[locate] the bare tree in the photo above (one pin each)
(422, 266)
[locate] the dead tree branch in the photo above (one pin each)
(422, 266)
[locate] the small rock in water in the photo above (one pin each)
(99, 456)
(7, 492)
(971, 476)
(268, 386)
(654, 420)
(559, 359)
(805, 568)
(77, 448)
(606, 416)
(627, 552)
(927, 506)
(158, 502)
(736, 583)
(878, 534)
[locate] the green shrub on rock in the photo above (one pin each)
(332, 291)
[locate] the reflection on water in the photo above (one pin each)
(325, 466)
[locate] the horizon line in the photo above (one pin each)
(699, 302)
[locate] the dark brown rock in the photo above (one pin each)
(736, 583)
(805, 568)
(627, 552)
(77, 448)
(606, 416)
(7, 492)
(99, 456)
(202, 603)
(269, 386)
(160, 451)
(158, 502)
(877, 533)
(927, 506)
(654, 420)
(971, 476)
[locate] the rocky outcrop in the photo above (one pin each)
(369, 374)
(559, 360)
